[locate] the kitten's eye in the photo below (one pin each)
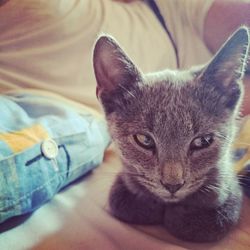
(144, 141)
(202, 142)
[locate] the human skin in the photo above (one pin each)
(218, 27)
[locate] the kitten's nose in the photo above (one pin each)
(173, 188)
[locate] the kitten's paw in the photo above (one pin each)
(131, 208)
(202, 224)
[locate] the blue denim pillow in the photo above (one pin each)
(44, 145)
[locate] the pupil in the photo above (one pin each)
(146, 140)
(206, 141)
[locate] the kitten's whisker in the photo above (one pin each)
(145, 180)
(149, 184)
(222, 215)
(214, 186)
(244, 184)
(209, 188)
(222, 136)
(229, 140)
(222, 175)
(218, 188)
(205, 190)
(243, 177)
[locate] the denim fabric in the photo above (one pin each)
(27, 178)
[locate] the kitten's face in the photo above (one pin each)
(173, 129)
(168, 135)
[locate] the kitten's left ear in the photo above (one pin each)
(113, 68)
(229, 64)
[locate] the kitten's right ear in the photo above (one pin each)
(225, 71)
(113, 68)
(229, 63)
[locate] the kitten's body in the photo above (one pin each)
(174, 132)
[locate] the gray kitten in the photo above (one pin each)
(174, 132)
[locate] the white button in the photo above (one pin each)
(49, 149)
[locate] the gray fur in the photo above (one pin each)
(174, 107)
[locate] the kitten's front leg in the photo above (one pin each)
(200, 224)
(132, 208)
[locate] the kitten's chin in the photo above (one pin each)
(175, 198)
(171, 199)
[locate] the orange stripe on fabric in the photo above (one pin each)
(25, 138)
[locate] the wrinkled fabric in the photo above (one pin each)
(28, 178)
(49, 44)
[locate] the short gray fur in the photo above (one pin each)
(174, 107)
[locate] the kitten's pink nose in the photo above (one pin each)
(173, 188)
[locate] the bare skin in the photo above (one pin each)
(218, 27)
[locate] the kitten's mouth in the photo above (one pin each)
(177, 196)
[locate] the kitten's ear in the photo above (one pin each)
(229, 64)
(112, 66)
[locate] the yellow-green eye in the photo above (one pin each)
(144, 141)
(202, 142)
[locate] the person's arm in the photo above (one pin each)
(222, 19)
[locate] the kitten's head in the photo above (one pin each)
(173, 129)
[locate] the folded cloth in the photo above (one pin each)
(44, 145)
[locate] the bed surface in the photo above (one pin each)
(78, 218)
